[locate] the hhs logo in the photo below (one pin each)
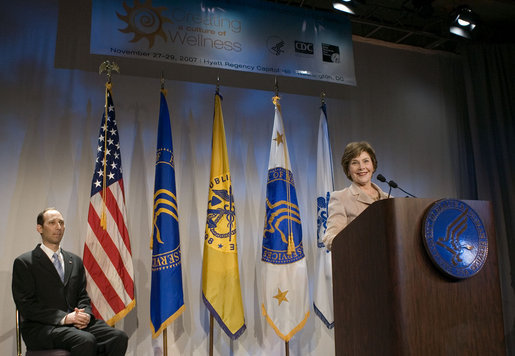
(303, 47)
(455, 238)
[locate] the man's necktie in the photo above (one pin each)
(58, 267)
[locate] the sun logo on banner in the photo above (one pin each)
(144, 21)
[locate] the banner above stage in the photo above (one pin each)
(250, 36)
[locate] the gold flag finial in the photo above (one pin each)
(163, 90)
(108, 67)
(276, 97)
(322, 97)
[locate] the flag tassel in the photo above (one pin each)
(103, 219)
(291, 244)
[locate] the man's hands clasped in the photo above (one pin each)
(78, 318)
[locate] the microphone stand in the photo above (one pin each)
(392, 184)
(411, 195)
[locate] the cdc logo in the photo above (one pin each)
(303, 47)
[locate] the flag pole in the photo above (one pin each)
(210, 314)
(108, 67)
(18, 336)
(210, 334)
(276, 97)
(165, 342)
(162, 80)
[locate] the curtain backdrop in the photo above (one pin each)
(490, 78)
(410, 105)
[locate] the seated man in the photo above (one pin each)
(49, 289)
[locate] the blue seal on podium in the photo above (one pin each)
(455, 238)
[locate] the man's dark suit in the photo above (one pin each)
(43, 301)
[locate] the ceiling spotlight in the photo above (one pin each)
(344, 5)
(463, 21)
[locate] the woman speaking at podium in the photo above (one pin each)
(359, 164)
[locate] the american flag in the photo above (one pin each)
(107, 250)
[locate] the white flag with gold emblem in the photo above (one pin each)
(323, 293)
(285, 280)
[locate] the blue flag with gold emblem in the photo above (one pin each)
(285, 279)
(166, 296)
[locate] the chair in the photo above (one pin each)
(54, 352)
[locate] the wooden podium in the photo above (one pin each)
(390, 299)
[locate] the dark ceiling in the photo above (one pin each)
(423, 23)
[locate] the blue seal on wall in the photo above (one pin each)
(455, 238)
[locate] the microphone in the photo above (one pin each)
(392, 184)
(381, 178)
